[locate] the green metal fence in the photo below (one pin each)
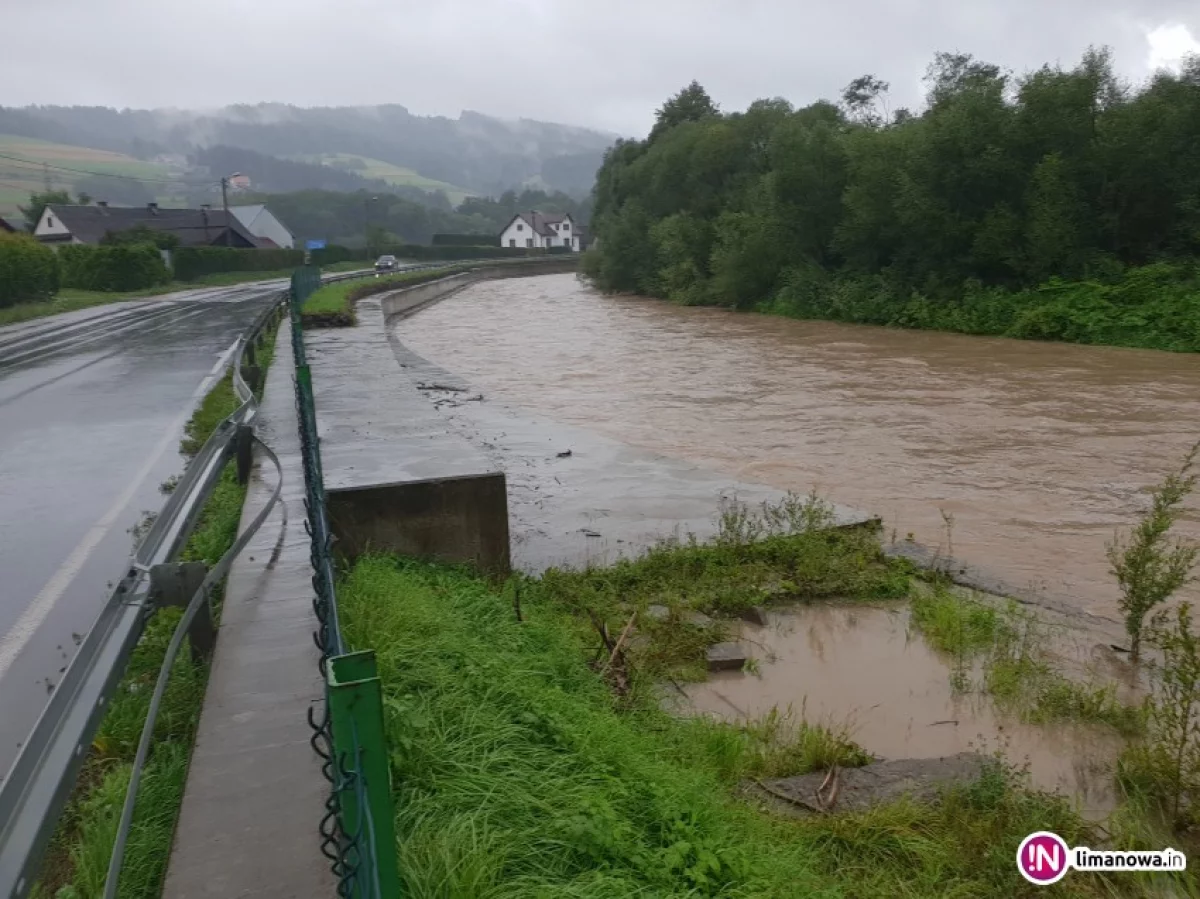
(358, 833)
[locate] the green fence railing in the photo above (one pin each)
(358, 833)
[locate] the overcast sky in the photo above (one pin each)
(600, 63)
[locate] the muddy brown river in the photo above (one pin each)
(1036, 451)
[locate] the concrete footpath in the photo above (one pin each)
(255, 794)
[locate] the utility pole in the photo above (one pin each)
(225, 204)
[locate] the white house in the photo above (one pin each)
(541, 229)
(261, 222)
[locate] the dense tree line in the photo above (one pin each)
(1062, 204)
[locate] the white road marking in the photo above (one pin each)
(31, 619)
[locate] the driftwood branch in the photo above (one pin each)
(620, 642)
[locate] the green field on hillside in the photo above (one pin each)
(393, 174)
(18, 179)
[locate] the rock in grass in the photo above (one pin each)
(756, 615)
(860, 788)
(657, 613)
(698, 619)
(727, 657)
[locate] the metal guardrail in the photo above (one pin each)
(40, 781)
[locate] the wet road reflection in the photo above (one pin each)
(92, 406)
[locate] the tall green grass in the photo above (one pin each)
(517, 773)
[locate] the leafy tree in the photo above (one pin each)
(1149, 566)
(692, 104)
(38, 203)
(865, 100)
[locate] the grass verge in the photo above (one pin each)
(517, 771)
(332, 306)
(77, 860)
(70, 299)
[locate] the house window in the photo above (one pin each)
(529, 241)
(49, 221)
(512, 241)
(520, 227)
(566, 226)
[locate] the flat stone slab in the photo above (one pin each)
(727, 657)
(861, 788)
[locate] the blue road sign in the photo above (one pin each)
(314, 245)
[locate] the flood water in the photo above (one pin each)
(1036, 451)
(863, 670)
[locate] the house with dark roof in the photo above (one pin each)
(6, 227)
(62, 224)
(541, 229)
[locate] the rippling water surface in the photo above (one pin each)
(1036, 451)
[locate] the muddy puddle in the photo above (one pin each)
(865, 669)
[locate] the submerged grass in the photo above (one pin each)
(77, 861)
(1008, 647)
(517, 772)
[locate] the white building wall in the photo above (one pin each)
(49, 225)
(519, 230)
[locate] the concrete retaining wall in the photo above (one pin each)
(407, 300)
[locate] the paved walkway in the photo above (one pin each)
(255, 793)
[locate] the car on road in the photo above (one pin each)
(386, 264)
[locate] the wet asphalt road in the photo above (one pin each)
(92, 407)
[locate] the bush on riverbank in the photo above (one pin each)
(1153, 307)
(28, 270)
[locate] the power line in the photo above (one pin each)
(28, 163)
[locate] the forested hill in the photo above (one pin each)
(476, 152)
(1062, 204)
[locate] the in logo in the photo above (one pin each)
(1042, 858)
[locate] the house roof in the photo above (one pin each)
(540, 222)
(5, 226)
(193, 227)
(247, 213)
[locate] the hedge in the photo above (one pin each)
(28, 270)
(464, 240)
(112, 268)
(335, 253)
(196, 262)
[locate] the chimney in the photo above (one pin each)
(153, 207)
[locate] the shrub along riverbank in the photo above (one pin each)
(1057, 205)
(77, 860)
(530, 759)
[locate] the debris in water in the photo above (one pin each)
(564, 454)
(860, 788)
(727, 657)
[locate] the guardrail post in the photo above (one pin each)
(244, 445)
(174, 584)
(365, 798)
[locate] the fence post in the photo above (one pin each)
(355, 696)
